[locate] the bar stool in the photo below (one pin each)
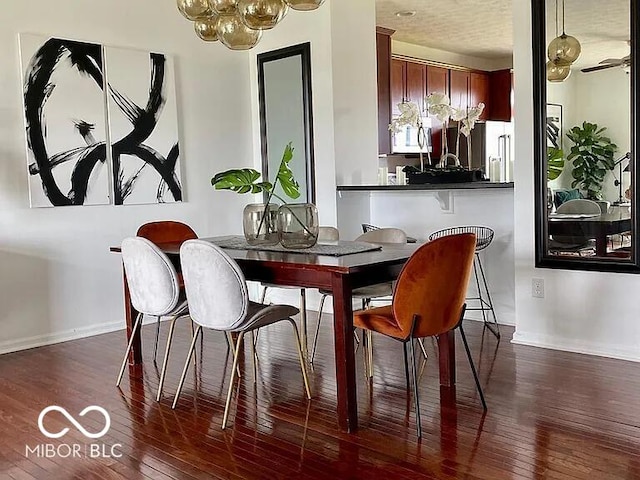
(484, 237)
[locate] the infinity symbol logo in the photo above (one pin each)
(75, 423)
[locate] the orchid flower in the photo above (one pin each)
(471, 118)
(409, 115)
(439, 106)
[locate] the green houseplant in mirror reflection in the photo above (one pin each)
(555, 163)
(294, 225)
(592, 156)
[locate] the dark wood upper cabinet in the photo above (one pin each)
(437, 82)
(383, 48)
(479, 92)
(459, 86)
(500, 94)
(398, 84)
(416, 84)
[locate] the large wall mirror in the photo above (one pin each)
(586, 134)
(284, 84)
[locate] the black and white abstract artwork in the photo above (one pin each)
(554, 125)
(101, 124)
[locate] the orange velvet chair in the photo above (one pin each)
(428, 300)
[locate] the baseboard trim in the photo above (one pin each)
(584, 348)
(27, 343)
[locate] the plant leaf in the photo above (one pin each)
(289, 185)
(240, 181)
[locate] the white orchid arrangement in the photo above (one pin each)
(410, 115)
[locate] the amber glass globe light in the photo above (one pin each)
(194, 9)
(225, 7)
(262, 14)
(557, 73)
(206, 28)
(304, 5)
(234, 34)
(564, 50)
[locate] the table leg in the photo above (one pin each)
(447, 357)
(130, 313)
(345, 355)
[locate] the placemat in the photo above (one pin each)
(332, 249)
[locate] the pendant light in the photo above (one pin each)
(194, 9)
(224, 7)
(564, 49)
(234, 34)
(305, 5)
(557, 73)
(262, 14)
(206, 28)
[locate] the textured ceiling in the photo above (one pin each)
(484, 28)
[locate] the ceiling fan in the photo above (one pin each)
(624, 62)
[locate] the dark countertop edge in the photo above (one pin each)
(425, 186)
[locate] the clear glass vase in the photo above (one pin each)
(260, 223)
(298, 225)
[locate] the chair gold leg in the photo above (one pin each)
(414, 378)
(155, 345)
(254, 357)
(233, 348)
(303, 321)
(136, 327)
(186, 365)
(233, 377)
(369, 334)
(301, 356)
(166, 358)
(315, 337)
(195, 353)
(424, 350)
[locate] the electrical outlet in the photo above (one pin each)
(537, 288)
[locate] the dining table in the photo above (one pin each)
(597, 227)
(338, 274)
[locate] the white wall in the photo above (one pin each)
(58, 279)
(586, 312)
(355, 91)
(450, 58)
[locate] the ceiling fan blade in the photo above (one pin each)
(611, 61)
(600, 67)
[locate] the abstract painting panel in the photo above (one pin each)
(65, 121)
(143, 126)
(101, 124)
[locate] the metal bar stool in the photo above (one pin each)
(484, 237)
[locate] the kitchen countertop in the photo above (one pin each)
(425, 187)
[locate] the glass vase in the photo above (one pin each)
(260, 224)
(298, 225)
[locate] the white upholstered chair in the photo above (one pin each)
(154, 289)
(218, 299)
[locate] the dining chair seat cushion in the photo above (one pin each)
(379, 319)
(260, 315)
(372, 291)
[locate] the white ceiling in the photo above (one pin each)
(484, 28)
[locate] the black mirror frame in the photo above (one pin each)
(539, 50)
(304, 50)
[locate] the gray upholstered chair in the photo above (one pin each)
(218, 299)
(575, 244)
(366, 294)
(325, 234)
(155, 291)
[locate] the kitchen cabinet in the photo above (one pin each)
(501, 95)
(383, 49)
(479, 92)
(398, 84)
(408, 84)
(437, 82)
(459, 88)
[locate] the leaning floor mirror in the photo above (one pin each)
(586, 134)
(284, 89)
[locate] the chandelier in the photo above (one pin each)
(563, 51)
(239, 24)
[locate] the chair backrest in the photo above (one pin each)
(484, 235)
(216, 288)
(328, 234)
(166, 231)
(581, 205)
(383, 235)
(151, 277)
(433, 285)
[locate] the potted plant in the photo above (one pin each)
(295, 225)
(592, 156)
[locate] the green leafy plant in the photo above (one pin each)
(246, 180)
(555, 162)
(592, 156)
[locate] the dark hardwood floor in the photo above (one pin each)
(552, 415)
